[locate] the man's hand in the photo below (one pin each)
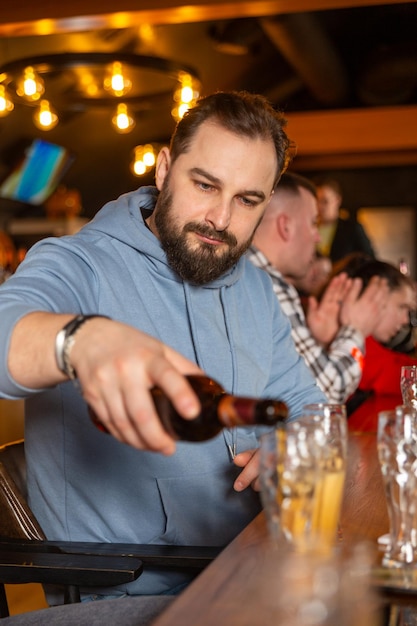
(323, 318)
(249, 460)
(116, 367)
(364, 310)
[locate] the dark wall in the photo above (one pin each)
(387, 187)
(378, 187)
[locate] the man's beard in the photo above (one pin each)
(205, 262)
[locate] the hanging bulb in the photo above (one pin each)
(144, 158)
(122, 120)
(186, 91)
(179, 111)
(182, 109)
(149, 155)
(6, 104)
(31, 85)
(116, 81)
(139, 167)
(45, 116)
(186, 96)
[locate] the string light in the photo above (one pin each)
(6, 104)
(45, 116)
(144, 158)
(116, 80)
(122, 120)
(96, 79)
(186, 96)
(149, 157)
(30, 86)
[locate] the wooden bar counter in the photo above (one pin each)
(225, 593)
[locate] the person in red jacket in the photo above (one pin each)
(382, 365)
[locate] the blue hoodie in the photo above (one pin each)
(85, 485)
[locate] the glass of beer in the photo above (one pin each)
(302, 475)
(332, 419)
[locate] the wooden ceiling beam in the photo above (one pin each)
(375, 137)
(354, 160)
(359, 130)
(21, 17)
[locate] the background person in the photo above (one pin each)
(331, 339)
(167, 265)
(339, 233)
(381, 365)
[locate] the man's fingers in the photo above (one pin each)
(354, 290)
(249, 460)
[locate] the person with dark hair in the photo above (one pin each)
(167, 265)
(331, 336)
(381, 365)
(340, 234)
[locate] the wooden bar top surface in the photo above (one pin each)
(224, 593)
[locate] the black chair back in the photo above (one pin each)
(16, 518)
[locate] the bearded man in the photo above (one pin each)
(156, 286)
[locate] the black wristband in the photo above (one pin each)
(64, 342)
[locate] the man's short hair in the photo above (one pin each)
(331, 183)
(242, 113)
(290, 181)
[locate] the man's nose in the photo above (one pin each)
(219, 215)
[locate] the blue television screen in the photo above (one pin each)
(37, 175)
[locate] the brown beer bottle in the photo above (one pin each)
(218, 410)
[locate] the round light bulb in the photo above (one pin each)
(148, 155)
(6, 104)
(139, 168)
(31, 85)
(45, 117)
(122, 120)
(116, 81)
(182, 109)
(187, 94)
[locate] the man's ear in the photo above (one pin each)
(283, 225)
(163, 163)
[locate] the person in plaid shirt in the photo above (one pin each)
(331, 336)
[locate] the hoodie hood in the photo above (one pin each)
(112, 220)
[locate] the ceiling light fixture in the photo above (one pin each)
(72, 83)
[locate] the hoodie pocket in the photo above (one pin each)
(204, 509)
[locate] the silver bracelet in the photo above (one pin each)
(64, 342)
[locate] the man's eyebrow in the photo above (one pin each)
(199, 172)
(247, 192)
